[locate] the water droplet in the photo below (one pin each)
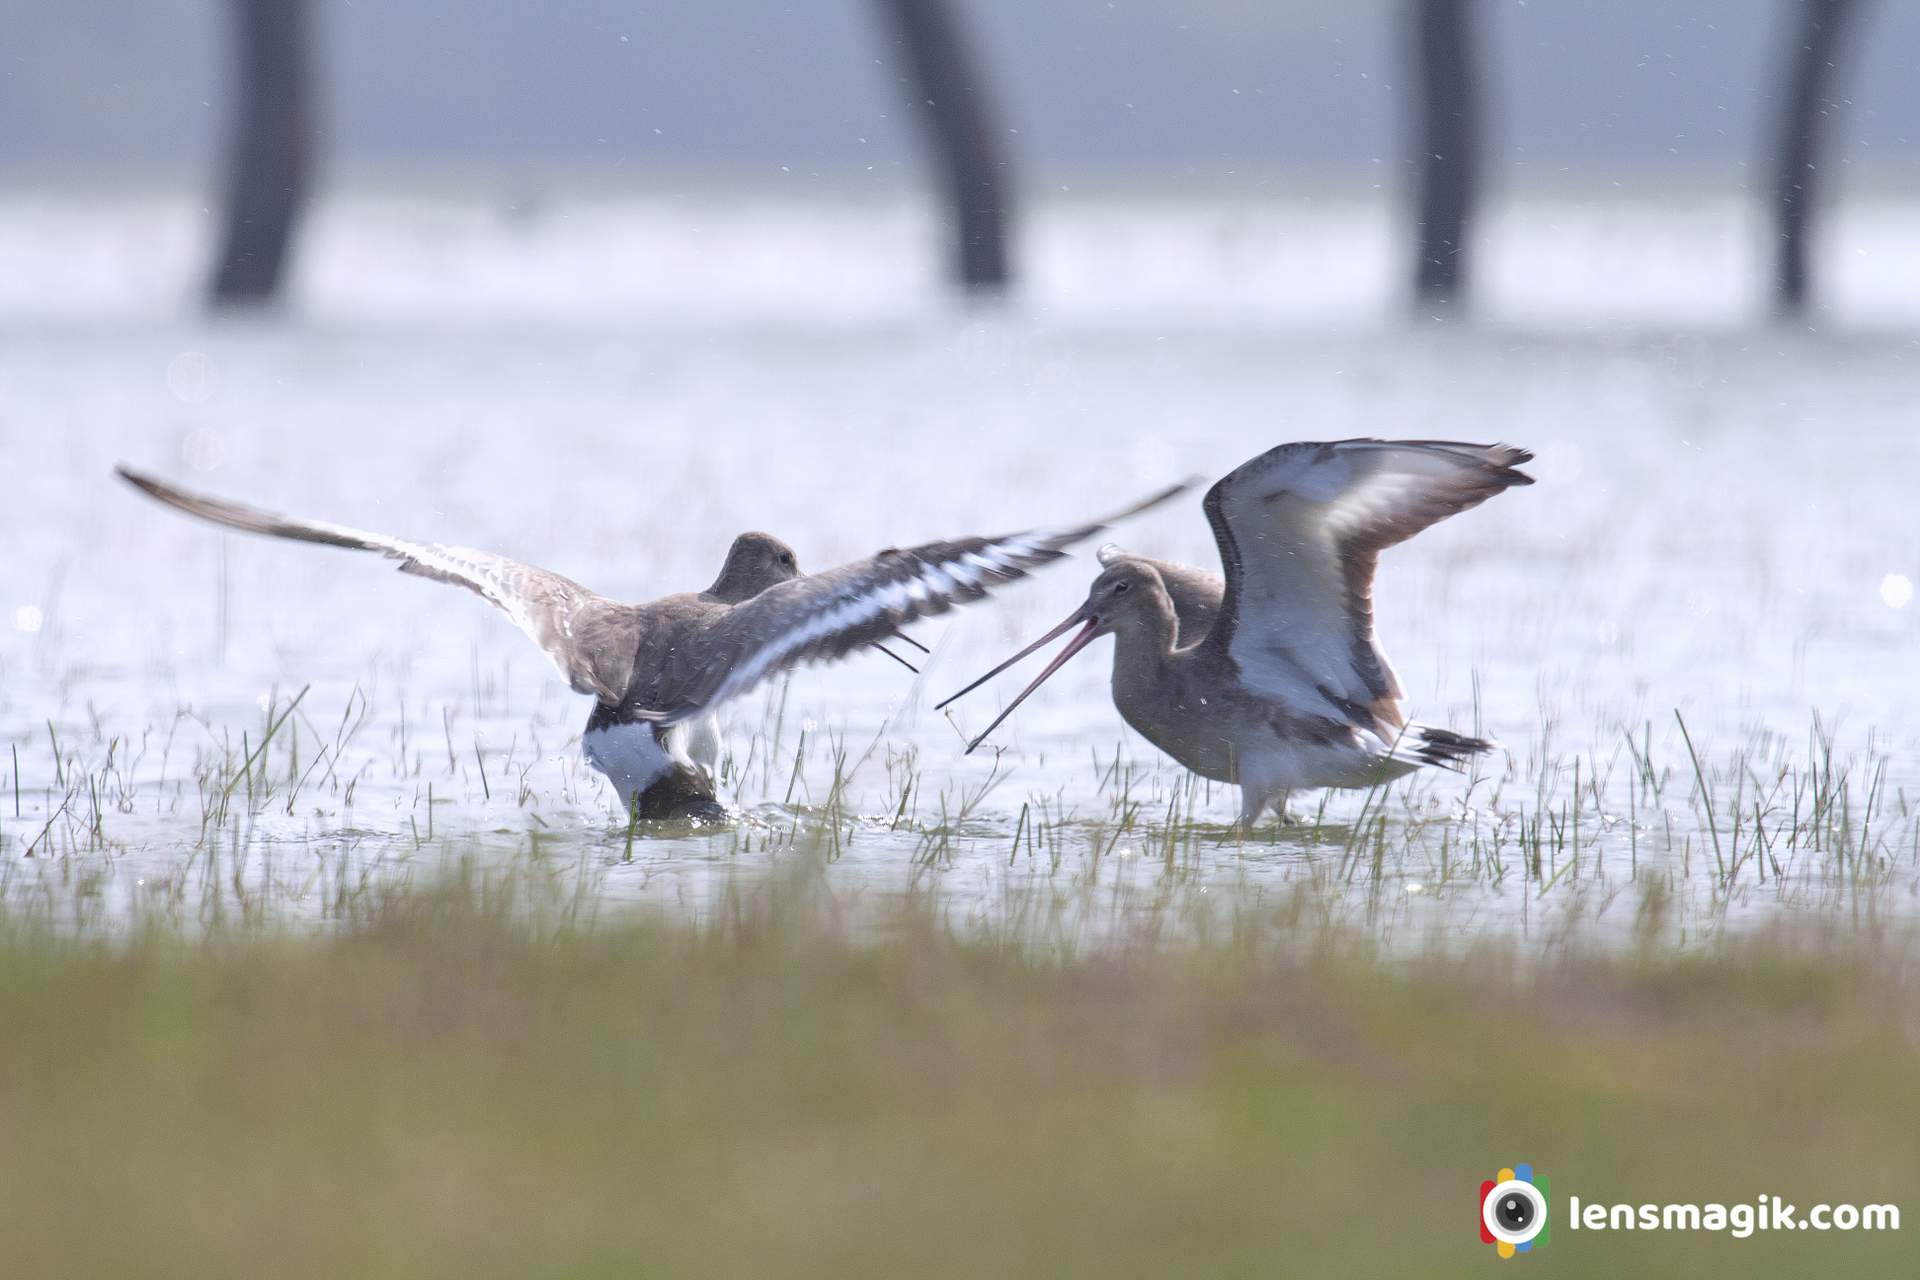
(190, 377)
(203, 449)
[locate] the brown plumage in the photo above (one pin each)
(1276, 681)
(1194, 593)
(670, 662)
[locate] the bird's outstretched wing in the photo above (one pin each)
(1301, 528)
(590, 638)
(825, 616)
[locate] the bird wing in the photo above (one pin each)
(824, 616)
(1301, 528)
(590, 638)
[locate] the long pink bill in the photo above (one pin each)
(1046, 639)
(1074, 646)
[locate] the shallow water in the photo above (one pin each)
(1721, 530)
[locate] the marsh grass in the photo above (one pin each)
(322, 991)
(201, 817)
(489, 1074)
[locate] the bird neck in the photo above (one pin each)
(733, 585)
(1146, 642)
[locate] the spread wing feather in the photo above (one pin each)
(590, 638)
(825, 616)
(1300, 530)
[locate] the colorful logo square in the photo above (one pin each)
(1513, 1210)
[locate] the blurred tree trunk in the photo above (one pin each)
(270, 151)
(1441, 39)
(947, 89)
(1814, 50)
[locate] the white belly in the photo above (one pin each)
(701, 740)
(1273, 766)
(630, 756)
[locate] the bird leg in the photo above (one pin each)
(1253, 803)
(896, 657)
(1255, 800)
(1280, 810)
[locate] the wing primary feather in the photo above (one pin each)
(1300, 529)
(591, 639)
(824, 617)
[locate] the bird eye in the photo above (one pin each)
(1120, 588)
(786, 558)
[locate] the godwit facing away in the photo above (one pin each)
(657, 671)
(1270, 678)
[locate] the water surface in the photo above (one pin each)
(1720, 537)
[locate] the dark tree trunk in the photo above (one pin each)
(1441, 37)
(270, 151)
(1814, 49)
(947, 89)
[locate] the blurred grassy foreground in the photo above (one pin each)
(455, 1085)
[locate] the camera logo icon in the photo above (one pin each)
(1513, 1210)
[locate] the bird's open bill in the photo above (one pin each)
(1074, 646)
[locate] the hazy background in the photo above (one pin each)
(600, 286)
(801, 97)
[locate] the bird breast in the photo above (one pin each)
(1199, 731)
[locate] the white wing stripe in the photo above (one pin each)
(844, 616)
(987, 564)
(931, 582)
(809, 619)
(964, 574)
(941, 582)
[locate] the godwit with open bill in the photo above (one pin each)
(1270, 677)
(658, 670)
